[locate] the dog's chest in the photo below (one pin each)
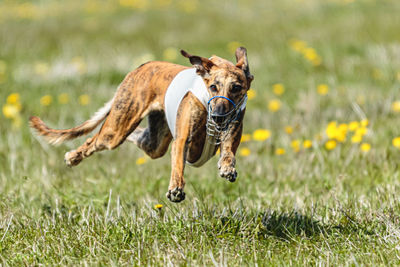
(184, 82)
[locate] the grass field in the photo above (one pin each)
(318, 167)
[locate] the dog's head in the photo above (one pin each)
(227, 83)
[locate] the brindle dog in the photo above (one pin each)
(141, 94)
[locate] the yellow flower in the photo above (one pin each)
(158, 206)
(364, 123)
(331, 144)
(10, 111)
(396, 142)
(251, 94)
(365, 147)
(13, 98)
(356, 139)
(245, 138)
(307, 144)
(261, 134)
(278, 89)
(361, 131)
(280, 151)
(353, 125)
(141, 161)
(244, 152)
(218, 152)
(41, 68)
(289, 129)
(331, 130)
(84, 100)
(63, 98)
(295, 144)
(377, 74)
(322, 89)
(274, 105)
(170, 54)
(232, 46)
(396, 106)
(46, 100)
(298, 45)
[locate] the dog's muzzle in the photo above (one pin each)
(217, 124)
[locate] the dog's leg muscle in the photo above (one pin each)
(155, 139)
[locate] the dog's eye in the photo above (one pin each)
(236, 88)
(213, 88)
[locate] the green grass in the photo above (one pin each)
(312, 207)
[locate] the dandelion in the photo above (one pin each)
(261, 134)
(396, 142)
(274, 105)
(361, 131)
(289, 129)
(331, 144)
(63, 98)
(10, 111)
(355, 139)
(297, 45)
(307, 144)
(141, 161)
(396, 106)
(278, 89)
(158, 206)
(170, 54)
(353, 126)
(364, 123)
(13, 98)
(322, 89)
(245, 138)
(365, 147)
(331, 130)
(251, 94)
(295, 145)
(232, 46)
(84, 100)
(280, 151)
(244, 152)
(46, 100)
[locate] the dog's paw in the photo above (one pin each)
(72, 159)
(176, 195)
(228, 172)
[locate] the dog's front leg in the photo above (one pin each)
(227, 161)
(176, 184)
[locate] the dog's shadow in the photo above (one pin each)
(285, 226)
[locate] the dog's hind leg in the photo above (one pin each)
(125, 115)
(155, 139)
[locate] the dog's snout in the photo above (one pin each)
(220, 110)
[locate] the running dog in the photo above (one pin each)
(200, 108)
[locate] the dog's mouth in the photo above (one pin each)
(219, 124)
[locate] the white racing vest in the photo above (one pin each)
(187, 81)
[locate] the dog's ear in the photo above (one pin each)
(241, 59)
(203, 65)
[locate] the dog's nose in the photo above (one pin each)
(219, 112)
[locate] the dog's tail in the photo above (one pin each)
(57, 137)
